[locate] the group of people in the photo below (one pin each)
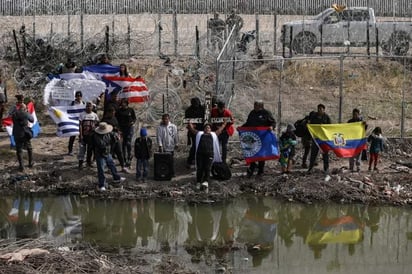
(102, 138)
(207, 136)
(218, 27)
(288, 141)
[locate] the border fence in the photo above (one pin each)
(399, 8)
(380, 87)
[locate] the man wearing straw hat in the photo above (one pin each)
(103, 141)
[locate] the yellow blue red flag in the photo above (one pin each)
(345, 140)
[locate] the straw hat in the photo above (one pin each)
(103, 128)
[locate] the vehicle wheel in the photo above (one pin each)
(398, 44)
(304, 42)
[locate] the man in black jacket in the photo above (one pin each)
(21, 118)
(319, 117)
(195, 110)
(259, 117)
(126, 117)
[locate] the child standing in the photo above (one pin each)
(287, 148)
(376, 146)
(142, 152)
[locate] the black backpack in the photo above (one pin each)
(221, 171)
(300, 127)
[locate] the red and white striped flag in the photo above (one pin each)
(134, 89)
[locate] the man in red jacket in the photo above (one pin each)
(219, 114)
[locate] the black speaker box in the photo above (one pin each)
(163, 166)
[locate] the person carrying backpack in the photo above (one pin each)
(302, 131)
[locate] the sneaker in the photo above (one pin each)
(70, 153)
(102, 188)
(205, 184)
(125, 170)
(31, 165)
(121, 180)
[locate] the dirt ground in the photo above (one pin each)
(56, 173)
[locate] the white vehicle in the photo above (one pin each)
(342, 27)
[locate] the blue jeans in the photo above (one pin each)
(142, 166)
(127, 144)
(101, 162)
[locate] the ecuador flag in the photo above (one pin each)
(340, 230)
(345, 140)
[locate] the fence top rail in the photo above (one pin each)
(324, 57)
(283, 7)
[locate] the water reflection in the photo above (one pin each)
(269, 233)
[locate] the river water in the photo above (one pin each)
(246, 235)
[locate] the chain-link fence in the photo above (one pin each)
(293, 87)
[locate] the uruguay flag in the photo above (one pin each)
(345, 140)
(134, 89)
(35, 126)
(258, 144)
(66, 119)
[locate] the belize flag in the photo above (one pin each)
(66, 119)
(258, 144)
(134, 89)
(345, 140)
(35, 126)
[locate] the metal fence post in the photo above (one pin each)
(106, 35)
(128, 35)
(68, 28)
(175, 32)
(257, 32)
(403, 105)
(275, 37)
(341, 58)
(197, 45)
(81, 31)
(160, 33)
(280, 98)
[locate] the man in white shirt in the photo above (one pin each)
(167, 136)
(88, 121)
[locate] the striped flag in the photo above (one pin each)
(345, 140)
(134, 89)
(100, 70)
(35, 126)
(345, 229)
(66, 119)
(258, 144)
